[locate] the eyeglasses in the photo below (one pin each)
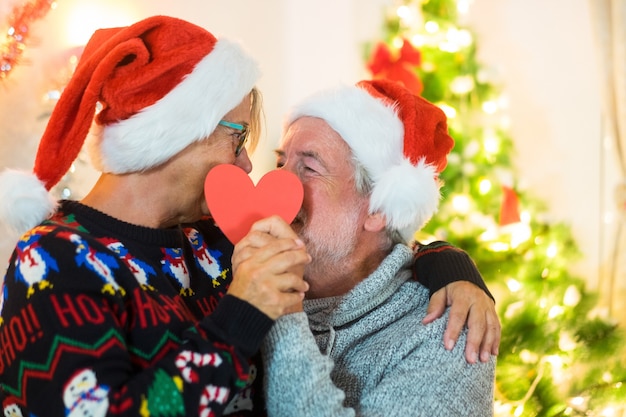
(243, 134)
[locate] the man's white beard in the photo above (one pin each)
(330, 245)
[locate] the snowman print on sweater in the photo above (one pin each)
(84, 397)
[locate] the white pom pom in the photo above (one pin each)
(24, 201)
(408, 195)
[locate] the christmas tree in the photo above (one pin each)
(558, 356)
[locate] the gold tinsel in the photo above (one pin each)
(13, 43)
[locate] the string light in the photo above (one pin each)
(520, 233)
(449, 111)
(513, 308)
(572, 296)
(407, 15)
(461, 37)
(577, 401)
(471, 149)
(484, 186)
(418, 40)
(431, 27)
(528, 357)
(490, 107)
(491, 143)
(552, 251)
(555, 311)
(489, 235)
(463, 6)
(566, 342)
(462, 85)
(609, 412)
(397, 43)
(514, 285)
(461, 203)
(499, 247)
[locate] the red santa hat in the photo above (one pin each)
(399, 138)
(161, 84)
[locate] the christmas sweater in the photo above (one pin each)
(101, 317)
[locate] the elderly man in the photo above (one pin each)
(369, 157)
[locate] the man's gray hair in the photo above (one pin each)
(363, 184)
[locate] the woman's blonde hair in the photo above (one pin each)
(256, 119)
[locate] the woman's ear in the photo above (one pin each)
(375, 222)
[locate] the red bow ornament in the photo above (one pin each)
(401, 68)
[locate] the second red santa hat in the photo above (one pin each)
(400, 139)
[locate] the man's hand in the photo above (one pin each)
(268, 268)
(468, 303)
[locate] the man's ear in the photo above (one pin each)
(375, 222)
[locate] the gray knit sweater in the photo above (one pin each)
(367, 354)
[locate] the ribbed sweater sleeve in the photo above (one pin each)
(439, 264)
(239, 323)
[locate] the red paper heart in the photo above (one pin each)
(235, 203)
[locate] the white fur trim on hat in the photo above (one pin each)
(31, 201)
(189, 112)
(371, 129)
(408, 195)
